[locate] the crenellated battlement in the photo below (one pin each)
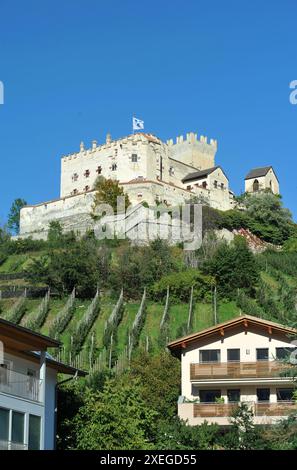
(192, 137)
(143, 138)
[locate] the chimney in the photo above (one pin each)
(108, 138)
(94, 144)
(81, 147)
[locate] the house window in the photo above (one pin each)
(139, 195)
(262, 354)
(233, 395)
(283, 353)
(215, 184)
(87, 188)
(75, 191)
(284, 394)
(4, 424)
(256, 186)
(233, 355)
(17, 428)
(209, 396)
(263, 394)
(114, 167)
(99, 170)
(171, 171)
(74, 177)
(222, 185)
(34, 432)
(210, 355)
(134, 158)
(204, 184)
(87, 173)
(189, 188)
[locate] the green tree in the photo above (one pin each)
(55, 233)
(269, 219)
(107, 192)
(160, 379)
(234, 267)
(13, 222)
(244, 434)
(177, 435)
(116, 419)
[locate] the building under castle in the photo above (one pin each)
(149, 170)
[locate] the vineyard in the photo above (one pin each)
(105, 331)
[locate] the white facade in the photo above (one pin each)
(148, 169)
(244, 366)
(22, 394)
(28, 380)
(266, 180)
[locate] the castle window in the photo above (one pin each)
(74, 177)
(222, 185)
(134, 158)
(87, 173)
(256, 186)
(99, 170)
(215, 184)
(114, 167)
(171, 171)
(87, 188)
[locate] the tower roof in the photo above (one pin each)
(258, 172)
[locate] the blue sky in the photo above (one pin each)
(75, 69)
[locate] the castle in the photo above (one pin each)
(148, 169)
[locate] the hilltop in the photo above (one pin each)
(152, 294)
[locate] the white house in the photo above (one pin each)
(235, 361)
(261, 179)
(28, 384)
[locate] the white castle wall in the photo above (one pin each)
(155, 176)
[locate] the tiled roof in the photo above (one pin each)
(197, 175)
(258, 172)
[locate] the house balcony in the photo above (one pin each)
(20, 385)
(237, 370)
(220, 413)
(9, 445)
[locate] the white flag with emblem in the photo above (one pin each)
(137, 124)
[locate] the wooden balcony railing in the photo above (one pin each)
(217, 410)
(213, 410)
(283, 408)
(234, 370)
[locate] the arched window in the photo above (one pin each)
(256, 186)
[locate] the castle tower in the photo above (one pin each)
(198, 153)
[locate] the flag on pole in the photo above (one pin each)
(137, 124)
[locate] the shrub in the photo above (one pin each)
(180, 286)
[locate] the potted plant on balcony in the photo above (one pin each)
(220, 400)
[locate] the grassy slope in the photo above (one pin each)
(178, 314)
(130, 311)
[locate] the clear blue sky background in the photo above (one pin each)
(75, 69)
